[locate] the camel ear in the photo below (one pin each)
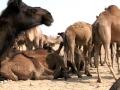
(96, 17)
(14, 3)
(105, 8)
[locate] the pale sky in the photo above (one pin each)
(67, 12)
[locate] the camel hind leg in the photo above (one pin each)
(72, 50)
(105, 35)
(118, 63)
(97, 50)
(107, 60)
(71, 46)
(117, 57)
(87, 53)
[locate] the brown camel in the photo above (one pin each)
(107, 30)
(77, 35)
(37, 64)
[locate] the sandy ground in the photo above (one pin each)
(86, 83)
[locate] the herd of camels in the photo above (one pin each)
(104, 31)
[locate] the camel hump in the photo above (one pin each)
(81, 24)
(113, 9)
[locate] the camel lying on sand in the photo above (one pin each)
(37, 64)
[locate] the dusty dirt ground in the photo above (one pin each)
(86, 83)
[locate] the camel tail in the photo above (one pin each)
(95, 33)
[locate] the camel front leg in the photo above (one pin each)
(118, 63)
(72, 51)
(106, 47)
(9, 75)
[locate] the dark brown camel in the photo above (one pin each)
(116, 85)
(107, 31)
(18, 17)
(37, 64)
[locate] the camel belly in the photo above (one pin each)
(115, 35)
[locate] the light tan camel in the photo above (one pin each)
(79, 57)
(76, 35)
(34, 36)
(107, 30)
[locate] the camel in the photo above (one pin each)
(79, 58)
(116, 85)
(34, 36)
(33, 64)
(29, 38)
(106, 29)
(118, 55)
(77, 35)
(19, 42)
(18, 17)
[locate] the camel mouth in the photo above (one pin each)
(49, 23)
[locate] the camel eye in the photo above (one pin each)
(31, 11)
(48, 13)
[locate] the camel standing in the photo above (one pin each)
(76, 35)
(107, 31)
(34, 36)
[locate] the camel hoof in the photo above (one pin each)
(89, 75)
(95, 67)
(55, 78)
(102, 64)
(66, 77)
(99, 80)
(79, 76)
(118, 71)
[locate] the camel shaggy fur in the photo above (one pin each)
(37, 64)
(16, 18)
